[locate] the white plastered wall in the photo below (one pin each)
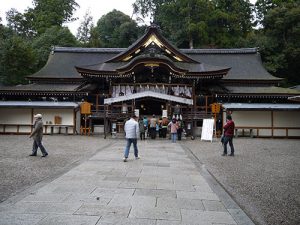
(23, 116)
(13, 117)
(67, 117)
(287, 119)
(258, 119)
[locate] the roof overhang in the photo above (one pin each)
(294, 98)
(37, 104)
(149, 94)
(260, 107)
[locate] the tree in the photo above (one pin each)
(53, 36)
(230, 23)
(84, 31)
(44, 14)
(17, 60)
(197, 23)
(280, 40)
(48, 13)
(116, 29)
(20, 23)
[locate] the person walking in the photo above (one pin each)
(37, 135)
(174, 127)
(142, 129)
(131, 133)
(180, 129)
(228, 135)
(164, 127)
(153, 123)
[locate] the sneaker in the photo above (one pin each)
(232, 154)
(32, 155)
(224, 154)
(137, 157)
(125, 160)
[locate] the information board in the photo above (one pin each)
(207, 129)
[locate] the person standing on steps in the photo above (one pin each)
(173, 128)
(142, 129)
(132, 132)
(37, 135)
(228, 135)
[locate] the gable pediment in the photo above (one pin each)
(155, 42)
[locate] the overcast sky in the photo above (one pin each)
(97, 8)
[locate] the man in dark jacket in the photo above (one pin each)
(37, 135)
(228, 135)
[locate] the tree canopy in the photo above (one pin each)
(271, 25)
(116, 29)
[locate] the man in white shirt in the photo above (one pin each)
(131, 129)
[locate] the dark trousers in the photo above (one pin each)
(164, 132)
(153, 132)
(179, 132)
(228, 139)
(142, 135)
(38, 144)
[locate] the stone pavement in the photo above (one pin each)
(167, 186)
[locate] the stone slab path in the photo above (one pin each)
(165, 187)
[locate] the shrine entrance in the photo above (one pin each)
(150, 106)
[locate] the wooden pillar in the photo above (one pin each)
(104, 122)
(272, 123)
(97, 102)
(74, 120)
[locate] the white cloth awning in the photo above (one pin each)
(149, 94)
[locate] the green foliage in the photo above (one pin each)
(48, 13)
(44, 14)
(20, 23)
(84, 31)
(200, 23)
(116, 29)
(17, 60)
(281, 45)
(53, 36)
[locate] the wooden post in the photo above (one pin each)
(272, 123)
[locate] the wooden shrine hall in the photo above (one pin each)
(152, 76)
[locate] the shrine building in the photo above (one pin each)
(94, 90)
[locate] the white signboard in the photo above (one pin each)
(137, 112)
(207, 129)
(165, 113)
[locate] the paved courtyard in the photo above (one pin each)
(167, 186)
(263, 179)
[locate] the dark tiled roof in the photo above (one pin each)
(245, 64)
(37, 104)
(42, 88)
(261, 90)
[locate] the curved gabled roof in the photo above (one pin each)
(152, 36)
(245, 63)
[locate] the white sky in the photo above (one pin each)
(97, 8)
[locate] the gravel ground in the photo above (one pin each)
(19, 171)
(263, 177)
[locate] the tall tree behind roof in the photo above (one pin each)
(85, 28)
(116, 29)
(49, 13)
(280, 40)
(198, 23)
